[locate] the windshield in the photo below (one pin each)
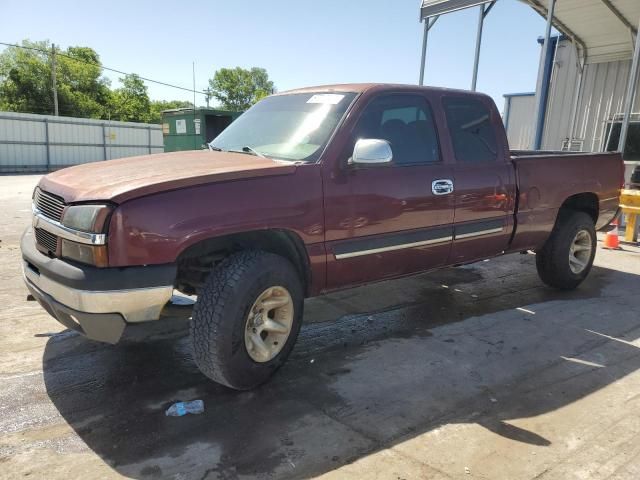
(292, 127)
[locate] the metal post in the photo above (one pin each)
(53, 79)
(428, 23)
(576, 99)
(104, 140)
(474, 78)
(482, 15)
(149, 130)
(195, 138)
(631, 94)
(507, 113)
(540, 98)
(46, 139)
(425, 36)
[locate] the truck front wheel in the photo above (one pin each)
(246, 319)
(567, 256)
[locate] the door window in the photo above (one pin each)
(471, 130)
(406, 122)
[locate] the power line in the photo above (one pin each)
(60, 54)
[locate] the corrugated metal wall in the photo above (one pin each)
(603, 89)
(518, 120)
(43, 142)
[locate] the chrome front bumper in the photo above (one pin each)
(98, 302)
(135, 305)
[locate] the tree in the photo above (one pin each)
(157, 106)
(238, 88)
(26, 86)
(131, 103)
(82, 92)
(25, 80)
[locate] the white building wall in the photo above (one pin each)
(44, 142)
(518, 120)
(602, 96)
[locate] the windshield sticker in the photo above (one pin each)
(326, 98)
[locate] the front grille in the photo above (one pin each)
(50, 205)
(47, 240)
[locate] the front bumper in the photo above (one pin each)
(99, 302)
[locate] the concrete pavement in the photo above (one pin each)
(474, 372)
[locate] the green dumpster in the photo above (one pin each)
(189, 129)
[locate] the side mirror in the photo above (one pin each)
(372, 152)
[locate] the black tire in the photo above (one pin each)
(552, 261)
(220, 314)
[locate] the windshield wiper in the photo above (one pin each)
(249, 151)
(214, 149)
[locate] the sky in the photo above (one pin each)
(299, 42)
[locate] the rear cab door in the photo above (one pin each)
(483, 175)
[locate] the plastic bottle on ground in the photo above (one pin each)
(182, 408)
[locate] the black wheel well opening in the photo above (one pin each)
(195, 262)
(583, 202)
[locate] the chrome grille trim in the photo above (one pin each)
(46, 240)
(56, 228)
(51, 206)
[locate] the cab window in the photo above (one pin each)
(406, 122)
(471, 130)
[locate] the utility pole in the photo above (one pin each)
(53, 79)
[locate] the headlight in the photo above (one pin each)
(91, 219)
(87, 218)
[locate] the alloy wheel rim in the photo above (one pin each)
(580, 252)
(269, 324)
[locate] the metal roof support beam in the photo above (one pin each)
(576, 99)
(631, 95)
(483, 12)
(428, 23)
(540, 98)
(622, 18)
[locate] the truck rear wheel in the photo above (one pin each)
(567, 256)
(247, 319)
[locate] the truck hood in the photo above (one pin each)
(126, 178)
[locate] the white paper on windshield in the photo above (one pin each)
(326, 98)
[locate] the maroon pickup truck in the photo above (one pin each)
(309, 191)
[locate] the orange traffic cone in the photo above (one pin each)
(611, 240)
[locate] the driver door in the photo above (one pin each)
(390, 220)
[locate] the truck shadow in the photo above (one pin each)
(359, 383)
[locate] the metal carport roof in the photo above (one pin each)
(602, 29)
(431, 8)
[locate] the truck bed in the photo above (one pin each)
(546, 180)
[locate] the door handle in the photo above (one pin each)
(442, 186)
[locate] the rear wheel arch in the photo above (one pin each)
(196, 261)
(586, 202)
